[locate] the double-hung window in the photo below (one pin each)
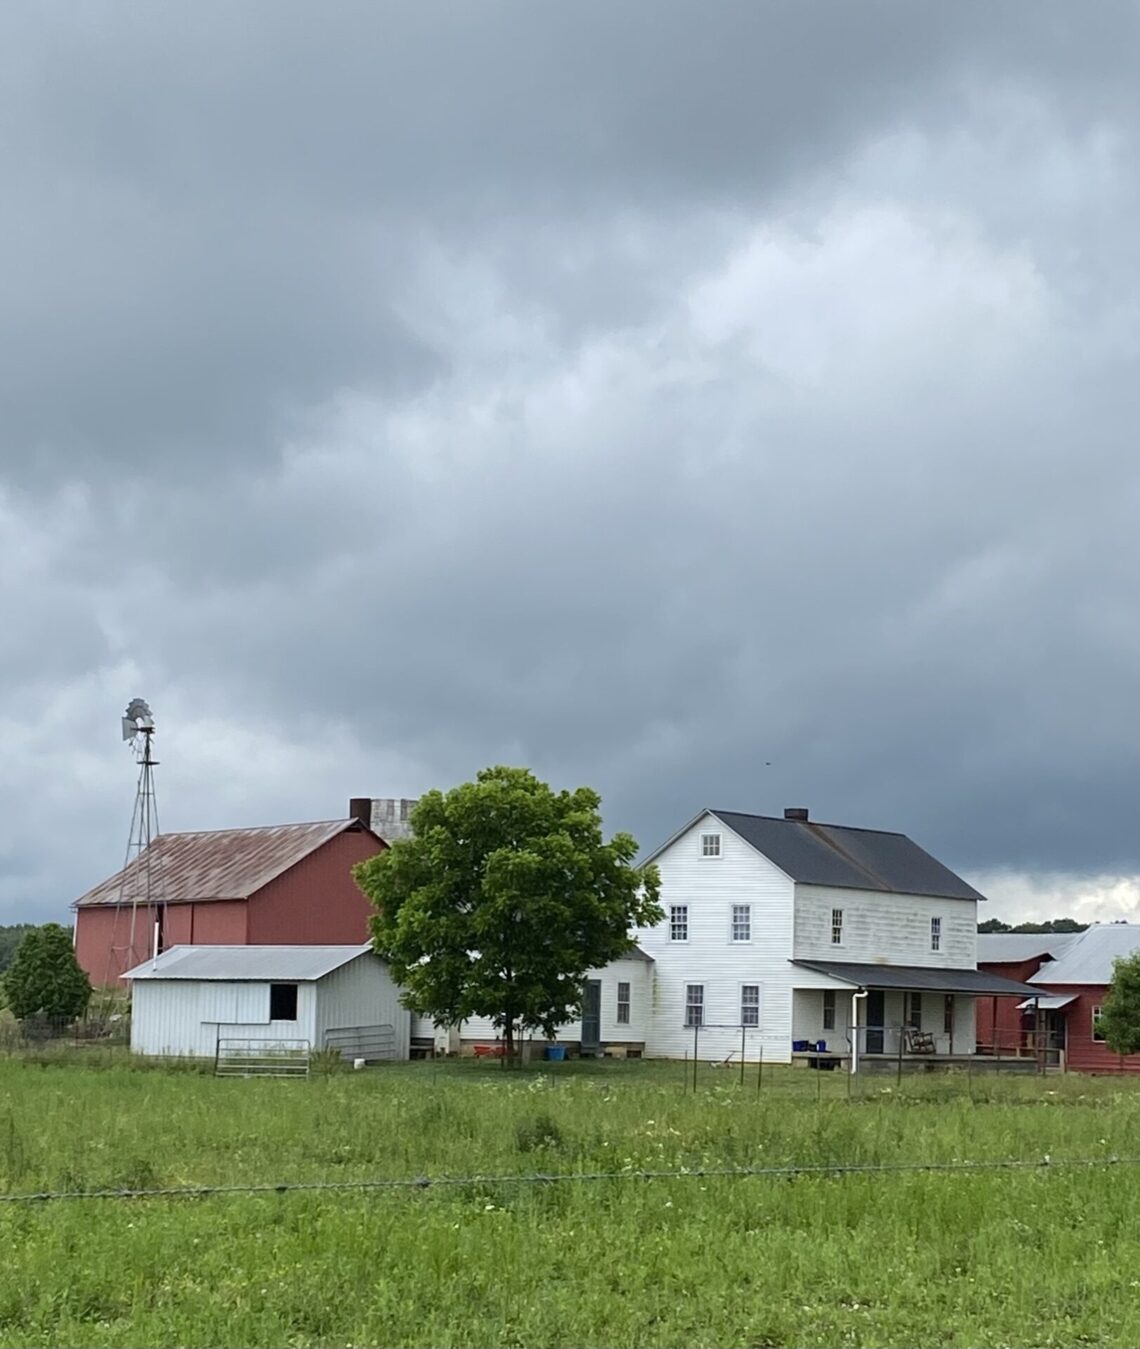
(710, 845)
(749, 1004)
(679, 922)
(1097, 1033)
(837, 927)
(694, 1004)
(936, 934)
(622, 1017)
(829, 1009)
(741, 922)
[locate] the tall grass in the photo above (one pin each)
(1042, 1257)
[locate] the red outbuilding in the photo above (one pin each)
(283, 885)
(1073, 972)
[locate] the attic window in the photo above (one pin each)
(710, 845)
(283, 1002)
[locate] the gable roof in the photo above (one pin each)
(850, 858)
(1011, 948)
(296, 964)
(215, 864)
(1088, 960)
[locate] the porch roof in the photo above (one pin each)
(918, 978)
(1048, 1002)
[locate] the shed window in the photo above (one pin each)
(622, 1017)
(283, 1002)
(1097, 1033)
(829, 1009)
(710, 845)
(750, 1004)
(694, 1004)
(837, 927)
(679, 922)
(936, 934)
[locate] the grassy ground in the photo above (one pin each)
(1046, 1257)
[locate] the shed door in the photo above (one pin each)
(592, 1016)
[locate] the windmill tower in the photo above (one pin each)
(140, 910)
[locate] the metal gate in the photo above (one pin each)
(370, 1043)
(261, 1058)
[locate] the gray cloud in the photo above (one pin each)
(729, 408)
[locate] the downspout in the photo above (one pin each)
(856, 998)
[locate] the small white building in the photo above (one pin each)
(191, 997)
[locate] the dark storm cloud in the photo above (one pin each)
(724, 405)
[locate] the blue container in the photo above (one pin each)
(800, 1046)
(821, 1046)
(556, 1053)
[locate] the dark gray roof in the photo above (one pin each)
(917, 978)
(855, 859)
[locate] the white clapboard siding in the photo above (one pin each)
(710, 886)
(884, 927)
(636, 972)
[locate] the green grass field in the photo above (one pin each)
(1047, 1256)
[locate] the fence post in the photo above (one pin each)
(743, 1032)
(696, 1035)
(898, 1074)
(760, 1069)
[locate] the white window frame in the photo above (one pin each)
(1096, 1038)
(829, 1003)
(837, 927)
(622, 1005)
(936, 934)
(710, 845)
(734, 923)
(914, 1010)
(750, 1007)
(678, 922)
(694, 1005)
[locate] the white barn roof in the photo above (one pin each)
(292, 964)
(1089, 959)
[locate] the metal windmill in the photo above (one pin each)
(142, 883)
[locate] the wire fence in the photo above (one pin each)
(824, 1170)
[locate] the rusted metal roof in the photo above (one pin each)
(214, 865)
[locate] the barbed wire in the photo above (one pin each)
(831, 1170)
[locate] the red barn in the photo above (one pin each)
(284, 885)
(1002, 1026)
(1074, 987)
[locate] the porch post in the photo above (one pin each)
(1039, 1037)
(858, 995)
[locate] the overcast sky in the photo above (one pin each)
(722, 404)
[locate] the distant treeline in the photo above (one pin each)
(1053, 925)
(10, 937)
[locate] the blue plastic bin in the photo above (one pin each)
(821, 1046)
(556, 1053)
(801, 1046)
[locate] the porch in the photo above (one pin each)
(880, 1017)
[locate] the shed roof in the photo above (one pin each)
(1088, 960)
(916, 978)
(1011, 948)
(841, 855)
(215, 864)
(237, 964)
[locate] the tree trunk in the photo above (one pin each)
(509, 1042)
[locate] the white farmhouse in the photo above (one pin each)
(782, 935)
(192, 998)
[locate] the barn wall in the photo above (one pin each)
(103, 943)
(1082, 1053)
(316, 902)
(185, 1017)
(223, 922)
(999, 1023)
(362, 993)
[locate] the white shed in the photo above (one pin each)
(191, 997)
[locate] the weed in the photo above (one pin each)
(537, 1131)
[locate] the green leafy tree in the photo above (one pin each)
(1120, 1011)
(503, 899)
(44, 978)
(10, 938)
